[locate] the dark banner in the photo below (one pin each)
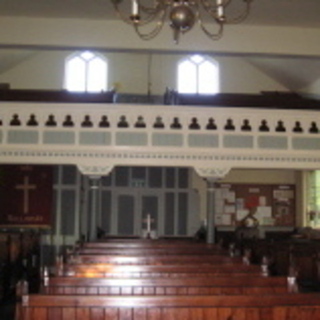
(26, 195)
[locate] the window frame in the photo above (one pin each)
(205, 59)
(79, 54)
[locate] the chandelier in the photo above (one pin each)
(149, 16)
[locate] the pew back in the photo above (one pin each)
(271, 307)
(160, 286)
(172, 271)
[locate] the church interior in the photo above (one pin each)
(170, 178)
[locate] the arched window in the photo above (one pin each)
(198, 74)
(86, 71)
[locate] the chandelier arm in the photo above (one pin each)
(151, 15)
(153, 33)
(160, 5)
(148, 19)
(150, 35)
(241, 17)
(120, 14)
(212, 35)
(212, 11)
(226, 3)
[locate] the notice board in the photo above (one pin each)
(270, 205)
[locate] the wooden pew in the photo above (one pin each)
(19, 258)
(155, 251)
(285, 254)
(221, 307)
(155, 247)
(4, 258)
(155, 260)
(228, 290)
(145, 243)
(148, 271)
(164, 286)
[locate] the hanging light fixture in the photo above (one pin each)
(182, 15)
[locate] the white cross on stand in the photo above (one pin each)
(26, 188)
(148, 221)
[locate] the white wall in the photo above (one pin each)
(314, 89)
(261, 176)
(132, 73)
(43, 70)
(239, 76)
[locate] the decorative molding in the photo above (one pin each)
(96, 160)
(95, 172)
(212, 174)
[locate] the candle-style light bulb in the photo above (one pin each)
(135, 8)
(220, 10)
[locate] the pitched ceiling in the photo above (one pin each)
(294, 73)
(300, 13)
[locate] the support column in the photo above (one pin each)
(211, 210)
(94, 189)
(94, 174)
(211, 176)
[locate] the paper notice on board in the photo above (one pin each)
(262, 201)
(229, 209)
(283, 194)
(224, 193)
(241, 214)
(268, 221)
(231, 197)
(264, 215)
(226, 219)
(264, 211)
(240, 204)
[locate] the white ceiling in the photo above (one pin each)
(294, 73)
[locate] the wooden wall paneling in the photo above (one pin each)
(126, 314)
(54, 313)
(111, 314)
(40, 314)
(154, 314)
(97, 313)
(280, 313)
(68, 313)
(83, 313)
(140, 314)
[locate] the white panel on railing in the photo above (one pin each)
(238, 141)
(306, 143)
(23, 137)
(203, 140)
(167, 140)
(95, 138)
(59, 137)
(273, 142)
